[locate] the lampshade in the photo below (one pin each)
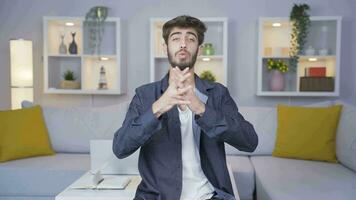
(21, 72)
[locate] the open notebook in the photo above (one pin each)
(97, 181)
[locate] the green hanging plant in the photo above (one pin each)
(94, 23)
(300, 21)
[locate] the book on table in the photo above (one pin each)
(97, 181)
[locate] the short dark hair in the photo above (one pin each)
(184, 21)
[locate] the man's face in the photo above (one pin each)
(183, 47)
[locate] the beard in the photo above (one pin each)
(183, 64)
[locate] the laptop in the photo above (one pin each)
(102, 158)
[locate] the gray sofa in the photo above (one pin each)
(40, 178)
(273, 178)
(70, 131)
(257, 174)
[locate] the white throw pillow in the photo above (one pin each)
(71, 129)
(346, 136)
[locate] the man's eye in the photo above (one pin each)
(191, 39)
(175, 39)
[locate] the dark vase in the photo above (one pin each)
(73, 48)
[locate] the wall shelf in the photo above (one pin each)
(274, 43)
(85, 65)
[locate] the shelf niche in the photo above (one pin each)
(274, 43)
(86, 63)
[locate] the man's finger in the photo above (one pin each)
(186, 76)
(179, 97)
(182, 78)
(181, 102)
(182, 91)
(185, 70)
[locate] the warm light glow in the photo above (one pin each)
(21, 71)
(21, 63)
(69, 24)
(104, 58)
(313, 59)
(206, 59)
(276, 24)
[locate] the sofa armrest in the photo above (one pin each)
(233, 182)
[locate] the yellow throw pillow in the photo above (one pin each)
(307, 132)
(23, 134)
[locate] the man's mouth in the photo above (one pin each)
(182, 54)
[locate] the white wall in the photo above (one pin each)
(23, 19)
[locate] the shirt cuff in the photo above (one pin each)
(149, 120)
(213, 123)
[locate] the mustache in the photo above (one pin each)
(182, 51)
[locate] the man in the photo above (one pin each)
(181, 124)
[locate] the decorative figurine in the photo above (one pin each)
(102, 80)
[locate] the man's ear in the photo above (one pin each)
(164, 49)
(200, 50)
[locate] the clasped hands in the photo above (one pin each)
(179, 92)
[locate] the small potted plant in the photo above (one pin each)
(208, 75)
(277, 68)
(68, 81)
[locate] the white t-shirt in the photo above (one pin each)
(195, 184)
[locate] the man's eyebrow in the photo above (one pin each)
(175, 33)
(179, 33)
(192, 33)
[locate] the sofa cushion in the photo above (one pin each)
(244, 175)
(264, 120)
(81, 124)
(42, 176)
(346, 136)
(281, 178)
(23, 133)
(307, 133)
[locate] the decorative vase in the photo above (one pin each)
(208, 49)
(62, 46)
(73, 48)
(102, 79)
(276, 81)
(310, 51)
(324, 40)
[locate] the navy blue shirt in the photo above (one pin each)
(160, 159)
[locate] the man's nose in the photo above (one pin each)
(183, 44)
